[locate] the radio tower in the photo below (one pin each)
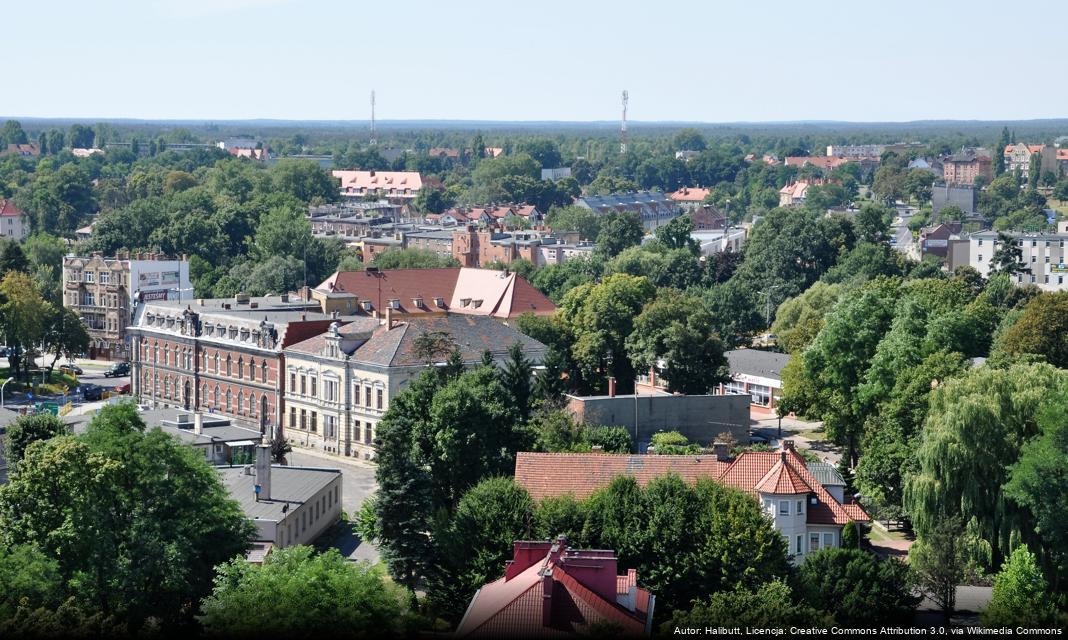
(374, 141)
(623, 125)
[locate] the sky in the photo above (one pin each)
(509, 60)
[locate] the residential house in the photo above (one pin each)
(708, 218)
(353, 219)
(501, 294)
(690, 198)
(14, 223)
(340, 382)
(397, 187)
(823, 162)
(801, 508)
(220, 439)
(722, 241)
(652, 208)
(935, 239)
(444, 153)
(931, 165)
(104, 291)
(686, 155)
(28, 150)
(551, 590)
(795, 192)
(224, 356)
(1018, 158)
(964, 167)
(288, 505)
(555, 174)
(493, 214)
(1043, 256)
(757, 374)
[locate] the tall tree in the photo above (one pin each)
(23, 315)
(617, 232)
(1040, 329)
(516, 377)
(857, 587)
(1020, 597)
(939, 562)
(33, 428)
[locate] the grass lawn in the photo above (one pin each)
(54, 383)
(879, 534)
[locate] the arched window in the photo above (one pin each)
(240, 402)
(166, 355)
(229, 399)
(252, 405)
(216, 362)
(166, 387)
(155, 385)
(215, 397)
(204, 395)
(228, 365)
(155, 353)
(252, 370)
(240, 368)
(263, 371)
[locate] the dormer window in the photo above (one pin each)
(418, 302)
(394, 303)
(465, 302)
(476, 303)
(210, 329)
(367, 306)
(439, 303)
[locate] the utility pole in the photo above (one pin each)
(623, 124)
(767, 303)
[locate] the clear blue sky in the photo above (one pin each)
(711, 61)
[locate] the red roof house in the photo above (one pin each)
(549, 589)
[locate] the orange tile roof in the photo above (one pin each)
(580, 474)
(687, 194)
(8, 208)
(357, 181)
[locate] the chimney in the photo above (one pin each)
(611, 386)
(788, 445)
(198, 423)
(389, 318)
(263, 470)
(722, 451)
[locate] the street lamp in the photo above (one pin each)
(2, 391)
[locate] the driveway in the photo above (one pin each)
(806, 435)
(357, 484)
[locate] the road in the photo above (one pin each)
(93, 374)
(357, 483)
(806, 435)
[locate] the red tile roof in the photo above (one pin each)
(502, 295)
(686, 194)
(8, 208)
(580, 474)
(398, 182)
(823, 162)
(569, 583)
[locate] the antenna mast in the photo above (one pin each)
(374, 139)
(623, 125)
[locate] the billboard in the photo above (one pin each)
(148, 279)
(168, 278)
(148, 296)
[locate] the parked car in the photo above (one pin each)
(71, 369)
(92, 392)
(117, 370)
(123, 388)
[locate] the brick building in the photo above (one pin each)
(222, 356)
(104, 291)
(964, 167)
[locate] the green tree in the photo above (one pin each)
(31, 580)
(12, 133)
(772, 605)
(29, 429)
(299, 591)
(1021, 596)
(678, 234)
(23, 315)
(64, 335)
(516, 377)
(159, 516)
(599, 318)
(81, 136)
(12, 258)
(1041, 329)
(617, 232)
(938, 560)
(799, 319)
(873, 223)
(973, 434)
(412, 259)
(857, 587)
(689, 139)
(304, 180)
(678, 329)
(1008, 256)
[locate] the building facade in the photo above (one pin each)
(340, 383)
(104, 292)
(219, 356)
(652, 208)
(1043, 256)
(963, 168)
(398, 187)
(14, 223)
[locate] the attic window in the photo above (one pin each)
(418, 302)
(210, 329)
(466, 302)
(476, 303)
(367, 306)
(394, 303)
(439, 302)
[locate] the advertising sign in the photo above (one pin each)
(148, 279)
(148, 296)
(167, 278)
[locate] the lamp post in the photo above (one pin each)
(2, 391)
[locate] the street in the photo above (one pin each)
(93, 374)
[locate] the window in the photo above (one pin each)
(240, 402)
(217, 362)
(313, 383)
(1047, 259)
(378, 399)
(356, 394)
(229, 398)
(828, 539)
(88, 276)
(252, 370)
(368, 433)
(263, 372)
(784, 507)
(761, 394)
(736, 388)
(293, 417)
(293, 381)
(813, 542)
(800, 507)
(252, 404)
(215, 397)
(155, 353)
(979, 259)
(1034, 259)
(304, 385)
(367, 397)
(88, 300)
(800, 541)
(314, 422)
(303, 418)
(104, 276)
(229, 364)
(240, 368)
(980, 242)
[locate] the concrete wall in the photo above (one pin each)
(699, 418)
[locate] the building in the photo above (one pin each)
(398, 187)
(722, 241)
(432, 239)
(556, 173)
(220, 439)
(855, 151)
(261, 154)
(931, 165)
(1018, 158)
(823, 162)
(549, 589)
(560, 251)
(104, 292)
(690, 198)
(14, 223)
(493, 214)
(341, 382)
(85, 153)
(501, 294)
(805, 511)
(1043, 254)
(963, 168)
(444, 153)
(26, 150)
(701, 418)
(757, 374)
(352, 219)
(479, 247)
(223, 356)
(795, 192)
(288, 505)
(708, 218)
(965, 197)
(653, 208)
(935, 240)
(686, 155)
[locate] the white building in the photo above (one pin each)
(14, 223)
(1042, 253)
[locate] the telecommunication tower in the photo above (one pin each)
(623, 125)
(374, 140)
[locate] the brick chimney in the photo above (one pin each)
(611, 386)
(722, 451)
(263, 470)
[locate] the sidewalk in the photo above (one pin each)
(356, 462)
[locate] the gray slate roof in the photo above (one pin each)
(289, 485)
(754, 362)
(826, 474)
